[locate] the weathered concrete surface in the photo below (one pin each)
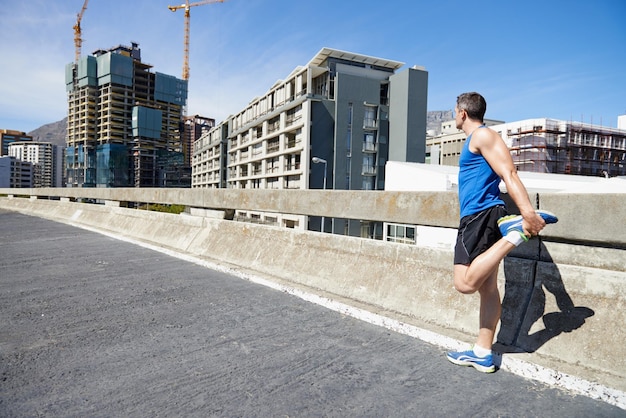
(597, 217)
(92, 326)
(563, 303)
(425, 208)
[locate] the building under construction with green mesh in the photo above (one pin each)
(124, 122)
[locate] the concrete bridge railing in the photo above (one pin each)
(564, 304)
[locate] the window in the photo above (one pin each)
(384, 93)
(350, 107)
(291, 140)
(272, 165)
(369, 117)
(369, 142)
(273, 124)
(292, 182)
(273, 145)
(293, 115)
(369, 164)
(272, 183)
(320, 85)
(348, 171)
(404, 234)
(292, 162)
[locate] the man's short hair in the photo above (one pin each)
(474, 104)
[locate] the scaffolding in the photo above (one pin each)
(569, 148)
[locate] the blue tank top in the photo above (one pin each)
(478, 183)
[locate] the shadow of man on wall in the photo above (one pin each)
(530, 278)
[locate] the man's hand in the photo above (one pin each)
(532, 224)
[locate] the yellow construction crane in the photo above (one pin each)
(78, 41)
(187, 6)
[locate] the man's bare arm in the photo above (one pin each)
(491, 146)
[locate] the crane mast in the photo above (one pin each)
(78, 40)
(187, 6)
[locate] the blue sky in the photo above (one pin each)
(537, 58)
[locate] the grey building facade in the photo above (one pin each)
(351, 112)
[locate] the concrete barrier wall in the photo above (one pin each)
(564, 294)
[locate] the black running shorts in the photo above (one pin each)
(477, 233)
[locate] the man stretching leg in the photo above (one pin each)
(486, 234)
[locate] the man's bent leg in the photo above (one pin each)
(469, 279)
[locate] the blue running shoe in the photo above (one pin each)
(468, 358)
(514, 222)
(549, 217)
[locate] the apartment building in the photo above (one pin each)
(8, 136)
(194, 127)
(46, 160)
(124, 121)
(330, 124)
(210, 153)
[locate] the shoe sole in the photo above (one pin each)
(549, 217)
(480, 368)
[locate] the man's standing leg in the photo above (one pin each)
(480, 356)
(490, 310)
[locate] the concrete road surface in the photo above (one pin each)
(91, 326)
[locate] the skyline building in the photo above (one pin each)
(124, 121)
(46, 158)
(9, 136)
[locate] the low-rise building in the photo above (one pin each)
(15, 173)
(544, 145)
(445, 148)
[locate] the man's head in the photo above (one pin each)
(470, 105)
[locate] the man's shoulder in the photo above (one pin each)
(485, 137)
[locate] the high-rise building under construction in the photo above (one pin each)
(124, 121)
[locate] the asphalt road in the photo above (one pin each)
(91, 326)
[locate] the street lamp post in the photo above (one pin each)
(318, 160)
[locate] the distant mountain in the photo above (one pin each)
(434, 119)
(56, 132)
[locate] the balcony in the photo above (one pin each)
(370, 147)
(368, 170)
